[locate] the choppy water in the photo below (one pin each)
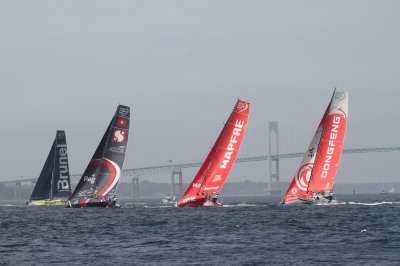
(248, 231)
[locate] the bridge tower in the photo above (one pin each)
(135, 187)
(18, 190)
(273, 163)
(2, 191)
(176, 172)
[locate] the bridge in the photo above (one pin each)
(176, 169)
(273, 158)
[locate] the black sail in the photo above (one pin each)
(54, 178)
(100, 179)
(61, 180)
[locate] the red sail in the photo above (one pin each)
(216, 167)
(331, 145)
(299, 184)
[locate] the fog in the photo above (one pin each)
(181, 65)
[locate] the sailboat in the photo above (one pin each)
(208, 182)
(53, 186)
(98, 185)
(314, 179)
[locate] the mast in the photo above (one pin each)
(52, 172)
(323, 130)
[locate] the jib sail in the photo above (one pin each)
(101, 176)
(213, 173)
(54, 181)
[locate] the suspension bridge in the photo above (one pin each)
(273, 158)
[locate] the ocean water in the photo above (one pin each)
(247, 231)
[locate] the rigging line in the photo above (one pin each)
(54, 166)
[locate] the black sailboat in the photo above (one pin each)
(53, 186)
(98, 185)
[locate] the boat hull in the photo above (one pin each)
(319, 201)
(95, 204)
(47, 203)
(198, 201)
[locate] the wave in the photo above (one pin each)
(374, 203)
(159, 206)
(238, 205)
(11, 205)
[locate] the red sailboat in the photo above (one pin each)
(208, 182)
(314, 178)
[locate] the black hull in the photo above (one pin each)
(104, 204)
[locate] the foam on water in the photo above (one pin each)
(373, 203)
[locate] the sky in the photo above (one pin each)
(181, 65)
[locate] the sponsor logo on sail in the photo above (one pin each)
(123, 111)
(210, 188)
(303, 176)
(197, 185)
(232, 143)
(62, 183)
(119, 149)
(122, 122)
(217, 178)
(119, 135)
(90, 179)
(188, 199)
(331, 146)
(242, 106)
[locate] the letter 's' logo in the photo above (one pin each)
(119, 135)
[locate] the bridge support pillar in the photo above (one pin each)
(176, 171)
(135, 187)
(273, 163)
(18, 190)
(2, 191)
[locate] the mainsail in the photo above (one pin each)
(212, 175)
(54, 181)
(318, 168)
(98, 185)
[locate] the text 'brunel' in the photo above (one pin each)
(331, 147)
(232, 142)
(62, 183)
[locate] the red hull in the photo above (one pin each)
(196, 201)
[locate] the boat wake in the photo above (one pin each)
(374, 203)
(159, 206)
(238, 205)
(11, 205)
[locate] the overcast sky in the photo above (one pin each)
(181, 65)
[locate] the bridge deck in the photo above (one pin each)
(152, 170)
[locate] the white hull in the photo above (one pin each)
(320, 201)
